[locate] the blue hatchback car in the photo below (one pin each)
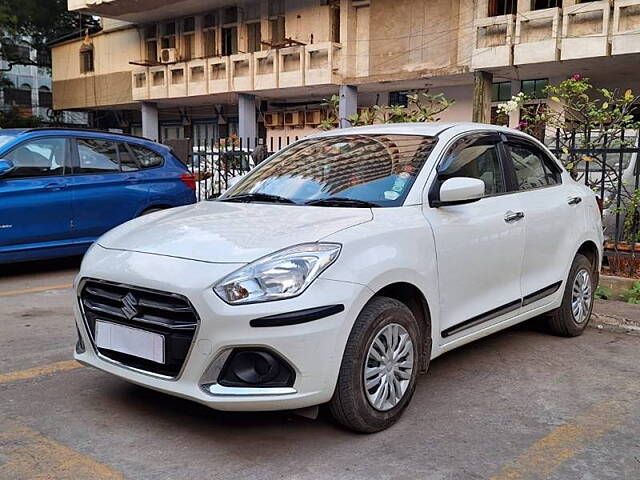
(60, 189)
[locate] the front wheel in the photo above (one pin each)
(379, 368)
(572, 317)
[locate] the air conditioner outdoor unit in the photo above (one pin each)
(273, 119)
(168, 55)
(312, 117)
(293, 119)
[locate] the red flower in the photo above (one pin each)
(576, 77)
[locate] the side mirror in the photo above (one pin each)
(459, 190)
(6, 167)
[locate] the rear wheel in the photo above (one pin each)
(378, 373)
(572, 317)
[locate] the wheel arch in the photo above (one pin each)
(416, 301)
(589, 249)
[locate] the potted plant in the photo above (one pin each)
(624, 255)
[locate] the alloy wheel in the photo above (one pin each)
(581, 296)
(388, 367)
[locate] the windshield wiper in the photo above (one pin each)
(257, 197)
(341, 202)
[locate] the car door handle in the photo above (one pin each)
(574, 200)
(513, 216)
(132, 180)
(55, 186)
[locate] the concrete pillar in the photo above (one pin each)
(482, 97)
(348, 104)
(514, 117)
(150, 126)
(247, 124)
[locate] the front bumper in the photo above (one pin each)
(313, 349)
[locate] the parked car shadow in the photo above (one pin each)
(40, 266)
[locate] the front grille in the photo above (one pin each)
(168, 314)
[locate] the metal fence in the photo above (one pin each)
(608, 164)
(215, 162)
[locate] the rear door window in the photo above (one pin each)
(42, 157)
(146, 157)
(128, 161)
(97, 156)
(532, 168)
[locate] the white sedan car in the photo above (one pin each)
(337, 269)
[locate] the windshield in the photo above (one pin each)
(346, 170)
(6, 137)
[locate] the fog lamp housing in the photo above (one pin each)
(251, 367)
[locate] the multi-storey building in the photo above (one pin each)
(207, 68)
(27, 88)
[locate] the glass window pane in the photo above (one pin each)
(529, 169)
(146, 158)
(475, 158)
(39, 158)
(97, 156)
(127, 160)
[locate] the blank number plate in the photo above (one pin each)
(132, 341)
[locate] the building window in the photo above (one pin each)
(542, 4)
(254, 37)
(229, 40)
(535, 88)
(399, 98)
(209, 41)
(151, 41)
(502, 7)
(276, 7)
(169, 35)
(230, 15)
(501, 92)
(188, 38)
(334, 13)
(44, 97)
(86, 58)
(277, 30)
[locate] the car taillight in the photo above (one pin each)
(600, 204)
(189, 180)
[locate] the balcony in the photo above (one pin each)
(291, 66)
(241, 72)
(197, 77)
(218, 68)
(140, 84)
(177, 80)
(266, 69)
(537, 36)
(585, 30)
(626, 27)
(158, 82)
(493, 41)
(322, 63)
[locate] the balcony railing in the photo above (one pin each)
(290, 67)
(493, 41)
(585, 30)
(626, 27)
(537, 36)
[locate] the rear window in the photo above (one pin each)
(147, 158)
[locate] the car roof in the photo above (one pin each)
(71, 131)
(418, 128)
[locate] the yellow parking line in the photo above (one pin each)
(27, 454)
(46, 288)
(563, 443)
(39, 371)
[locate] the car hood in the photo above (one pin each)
(229, 232)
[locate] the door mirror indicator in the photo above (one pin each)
(6, 167)
(459, 190)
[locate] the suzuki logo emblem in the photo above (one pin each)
(129, 306)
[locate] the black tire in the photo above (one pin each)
(349, 405)
(562, 321)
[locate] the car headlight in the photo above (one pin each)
(283, 274)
